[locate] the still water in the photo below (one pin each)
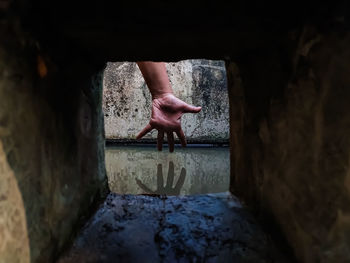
(187, 171)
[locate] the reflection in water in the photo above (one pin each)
(128, 167)
(168, 188)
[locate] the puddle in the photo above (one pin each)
(188, 171)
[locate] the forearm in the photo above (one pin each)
(166, 108)
(156, 78)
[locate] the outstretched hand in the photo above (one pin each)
(166, 118)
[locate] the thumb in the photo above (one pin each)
(191, 109)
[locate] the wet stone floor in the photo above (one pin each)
(201, 228)
(161, 211)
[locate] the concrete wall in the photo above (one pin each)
(51, 146)
(14, 242)
(127, 101)
(291, 141)
(289, 119)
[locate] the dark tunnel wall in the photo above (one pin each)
(290, 152)
(289, 89)
(52, 146)
(169, 31)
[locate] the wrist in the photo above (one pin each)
(161, 94)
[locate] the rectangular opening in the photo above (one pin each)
(135, 166)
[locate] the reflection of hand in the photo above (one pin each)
(166, 117)
(168, 189)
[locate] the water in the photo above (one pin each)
(187, 171)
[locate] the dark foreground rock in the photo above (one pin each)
(203, 228)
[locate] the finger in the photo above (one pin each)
(144, 188)
(146, 130)
(191, 109)
(170, 136)
(180, 134)
(160, 182)
(160, 140)
(181, 181)
(170, 179)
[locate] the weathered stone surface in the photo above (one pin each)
(52, 146)
(14, 243)
(202, 228)
(291, 149)
(127, 101)
(143, 170)
(38, 115)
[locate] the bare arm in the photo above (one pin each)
(166, 108)
(156, 78)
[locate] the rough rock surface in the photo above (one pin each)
(52, 146)
(127, 101)
(203, 228)
(14, 242)
(290, 154)
(142, 170)
(291, 145)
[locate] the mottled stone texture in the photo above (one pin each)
(200, 228)
(290, 140)
(290, 121)
(127, 101)
(52, 146)
(14, 243)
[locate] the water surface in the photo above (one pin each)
(187, 171)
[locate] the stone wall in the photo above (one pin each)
(289, 109)
(51, 146)
(14, 242)
(127, 101)
(291, 144)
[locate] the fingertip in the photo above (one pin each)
(171, 148)
(198, 109)
(193, 109)
(180, 134)
(160, 138)
(170, 137)
(139, 136)
(146, 130)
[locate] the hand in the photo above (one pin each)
(166, 118)
(168, 189)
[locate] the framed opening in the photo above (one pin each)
(190, 216)
(135, 166)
